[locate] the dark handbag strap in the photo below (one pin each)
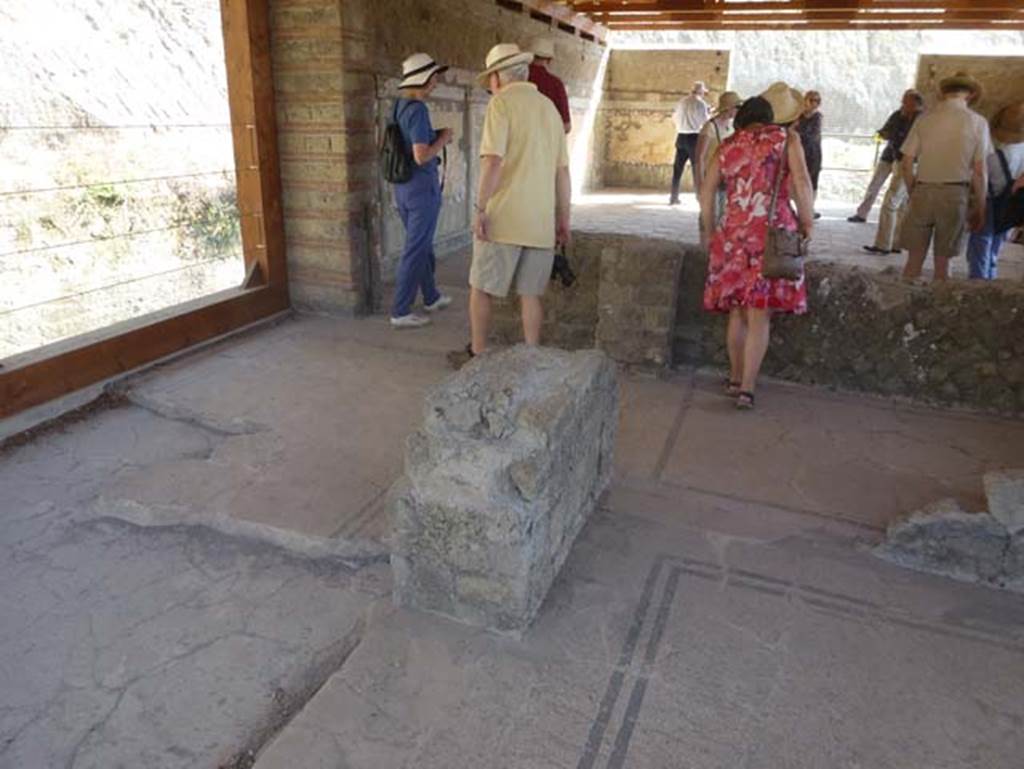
(779, 173)
(1006, 170)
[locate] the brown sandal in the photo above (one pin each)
(745, 400)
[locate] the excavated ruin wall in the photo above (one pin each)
(861, 76)
(961, 343)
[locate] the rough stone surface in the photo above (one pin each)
(1005, 492)
(513, 455)
(624, 301)
(178, 647)
(640, 299)
(942, 538)
(1013, 566)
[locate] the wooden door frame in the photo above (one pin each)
(55, 370)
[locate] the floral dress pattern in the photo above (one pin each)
(748, 161)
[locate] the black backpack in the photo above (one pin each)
(1007, 207)
(396, 161)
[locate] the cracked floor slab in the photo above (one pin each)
(685, 633)
(174, 648)
(178, 576)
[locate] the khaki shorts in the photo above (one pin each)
(496, 266)
(938, 208)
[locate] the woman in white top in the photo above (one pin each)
(715, 131)
(1008, 131)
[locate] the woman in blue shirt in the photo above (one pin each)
(419, 199)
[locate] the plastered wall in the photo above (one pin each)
(635, 143)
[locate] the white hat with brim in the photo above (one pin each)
(543, 48)
(787, 103)
(961, 81)
(418, 69)
(727, 101)
(502, 56)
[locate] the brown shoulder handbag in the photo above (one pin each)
(784, 250)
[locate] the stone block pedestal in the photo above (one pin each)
(513, 455)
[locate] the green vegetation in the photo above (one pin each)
(209, 221)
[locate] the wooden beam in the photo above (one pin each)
(810, 25)
(246, 26)
(805, 14)
(37, 378)
(703, 6)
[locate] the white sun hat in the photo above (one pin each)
(502, 56)
(418, 69)
(543, 47)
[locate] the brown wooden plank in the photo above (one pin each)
(254, 129)
(811, 25)
(37, 381)
(700, 6)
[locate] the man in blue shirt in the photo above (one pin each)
(419, 199)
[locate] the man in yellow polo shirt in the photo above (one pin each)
(522, 205)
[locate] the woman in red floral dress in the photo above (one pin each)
(747, 163)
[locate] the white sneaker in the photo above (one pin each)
(412, 320)
(441, 302)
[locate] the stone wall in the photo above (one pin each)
(323, 194)
(635, 136)
(624, 300)
(959, 344)
(336, 64)
(641, 301)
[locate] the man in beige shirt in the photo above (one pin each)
(522, 205)
(949, 145)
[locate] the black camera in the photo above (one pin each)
(561, 270)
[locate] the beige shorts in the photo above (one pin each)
(497, 266)
(940, 209)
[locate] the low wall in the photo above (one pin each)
(624, 300)
(959, 343)
(640, 300)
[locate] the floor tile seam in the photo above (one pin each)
(672, 439)
(850, 606)
(646, 665)
(594, 743)
(835, 517)
(669, 485)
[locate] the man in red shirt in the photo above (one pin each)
(548, 84)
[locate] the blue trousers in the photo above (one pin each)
(419, 206)
(983, 251)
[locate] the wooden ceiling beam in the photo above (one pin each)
(706, 6)
(805, 14)
(836, 16)
(811, 25)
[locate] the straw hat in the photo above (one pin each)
(418, 69)
(961, 81)
(1008, 126)
(502, 56)
(787, 103)
(543, 48)
(727, 101)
